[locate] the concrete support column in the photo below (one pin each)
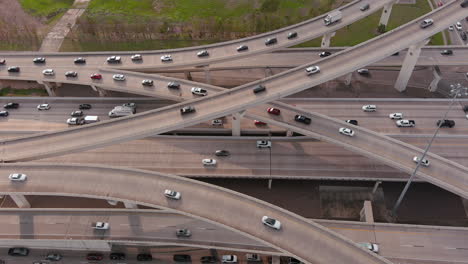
(188, 75)
(100, 91)
(236, 123)
(326, 39)
(435, 82)
(348, 78)
(366, 213)
(129, 205)
(20, 200)
(207, 74)
(268, 72)
(112, 202)
(387, 10)
(48, 87)
(275, 260)
(289, 133)
(408, 65)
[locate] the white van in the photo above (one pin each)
(91, 119)
(120, 111)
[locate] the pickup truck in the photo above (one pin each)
(405, 123)
(100, 225)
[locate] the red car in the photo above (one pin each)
(260, 123)
(274, 111)
(2, 61)
(94, 256)
(440, 3)
(96, 76)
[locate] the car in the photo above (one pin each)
(217, 122)
(292, 35)
(2, 61)
(187, 109)
(395, 116)
(79, 60)
(312, 70)
(199, 91)
(363, 71)
(273, 111)
(242, 48)
(302, 119)
(39, 60)
(84, 106)
(48, 72)
(426, 23)
(446, 123)
(271, 41)
(173, 85)
(147, 82)
(228, 258)
(75, 121)
(440, 3)
(94, 256)
(11, 105)
(113, 59)
(463, 35)
(136, 57)
(222, 153)
(465, 108)
(71, 74)
(53, 257)
(364, 7)
(447, 52)
(464, 4)
(346, 131)
(271, 222)
(405, 123)
(370, 246)
(118, 77)
(263, 144)
(17, 177)
(77, 113)
(450, 28)
(424, 162)
(43, 107)
(144, 257)
(13, 69)
(208, 259)
(369, 108)
(172, 194)
(183, 232)
(259, 123)
(324, 54)
(259, 88)
(96, 76)
(4, 113)
(352, 122)
(458, 26)
(18, 252)
(101, 226)
(166, 58)
(252, 257)
(117, 256)
(182, 258)
(209, 162)
(203, 53)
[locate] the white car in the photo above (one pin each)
(166, 58)
(199, 91)
(396, 116)
(43, 107)
(370, 246)
(118, 77)
(229, 259)
(263, 144)
(209, 162)
(172, 194)
(450, 28)
(136, 57)
(101, 226)
(312, 70)
(48, 72)
(346, 131)
(459, 27)
(424, 162)
(217, 122)
(17, 177)
(75, 121)
(369, 108)
(271, 222)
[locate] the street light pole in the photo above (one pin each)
(457, 90)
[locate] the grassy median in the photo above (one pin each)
(46, 8)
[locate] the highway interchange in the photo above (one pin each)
(447, 173)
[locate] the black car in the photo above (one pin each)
(3, 113)
(324, 54)
(39, 60)
(84, 106)
(187, 109)
(463, 35)
(18, 252)
(222, 152)
(303, 119)
(465, 108)
(14, 69)
(71, 74)
(242, 48)
(182, 258)
(259, 88)
(446, 123)
(464, 3)
(147, 82)
(79, 60)
(352, 121)
(292, 35)
(203, 53)
(144, 257)
(11, 105)
(271, 41)
(446, 52)
(117, 256)
(173, 85)
(208, 259)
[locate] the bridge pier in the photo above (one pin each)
(100, 91)
(437, 77)
(275, 260)
(130, 205)
(207, 74)
(112, 202)
(236, 123)
(47, 86)
(408, 65)
(326, 39)
(386, 12)
(268, 72)
(188, 75)
(366, 213)
(20, 200)
(348, 78)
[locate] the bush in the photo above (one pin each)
(381, 28)
(270, 5)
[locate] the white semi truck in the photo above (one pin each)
(333, 17)
(120, 111)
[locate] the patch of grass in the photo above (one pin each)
(46, 8)
(127, 8)
(7, 91)
(25, 46)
